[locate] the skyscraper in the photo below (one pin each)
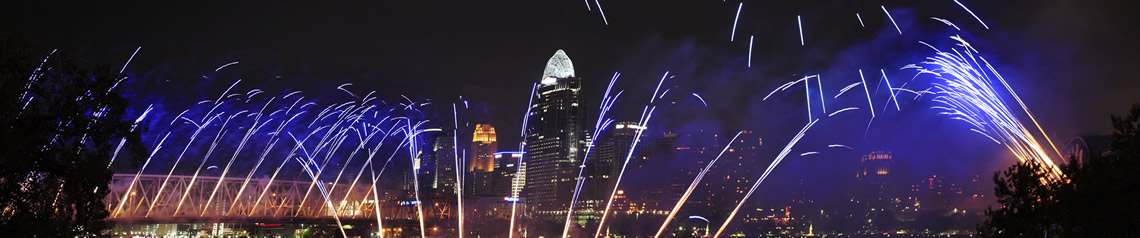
(555, 139)
(482, 166)
(444, 151)
(508, 168)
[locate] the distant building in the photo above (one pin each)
(482, 167)
(445, 161)
(875, 191)
(555, 138)
(509, 167)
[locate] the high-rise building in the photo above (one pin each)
(483, 148)
(555, 139)
(482, 166)
(444, 152)
(875, 191)
(508, 168)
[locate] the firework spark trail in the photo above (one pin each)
(252, 129)
(809, 153)
(458, 176)
(964, 89)
(885, 79)
(411, 132)
(324, 192)
(587, 5)
(599, 127)
(823, 104)
(844, 90)
(892, 19)
(857, 16)
(123, 141)
(947, 22)
(273, 142)
(693, 185)
(839, 146)
(807, 97)
(122, 201)
(750, 38)
(193, 136)
(221, 133)
(700, 98)
(787, 85)
(870, 105)
(129, 60)
(600, 11)
(972, 14)
(800, 24)
(783, 153)
(646, 114)
(299, 145)
(734, 21)
(842, 110)
(518, 167)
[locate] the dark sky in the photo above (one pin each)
(1073, 62)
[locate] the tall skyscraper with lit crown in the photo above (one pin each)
(555, 139)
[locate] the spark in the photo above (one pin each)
(129, 59)
(892, 19)
(702, 99)
(868, 93)
(750, 50)
(808, 153)
(842, 110)
(948, 23)
(860, 20)
(819, 81)
(783, 153)
(225, 65)
(607, 22)
(840, 146)
(734, 21)
(693, 185)
(972, 14)
(800, 23)
(848, 87)
(889, 89)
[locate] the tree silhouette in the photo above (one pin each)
(59, 125)
(1096, 197)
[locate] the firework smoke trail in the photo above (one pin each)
(693, 185)
(972, 14)
(892, 19)
(518, 166)
(599, 127)
(964, 90)
(646, 114)
(734, 21)
(783, 153)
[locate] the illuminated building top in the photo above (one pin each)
(483, 133)
(559, 66)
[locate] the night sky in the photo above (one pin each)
(1073, 62)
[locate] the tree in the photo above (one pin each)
(59, 126)
(1096, 198)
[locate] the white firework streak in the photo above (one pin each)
(693, 185)
(780, 157)
(844, 90)
(963, 88)
(599, 127)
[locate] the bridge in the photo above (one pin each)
(189, 199)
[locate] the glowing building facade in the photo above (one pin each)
(482, 166)
(555, 139)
